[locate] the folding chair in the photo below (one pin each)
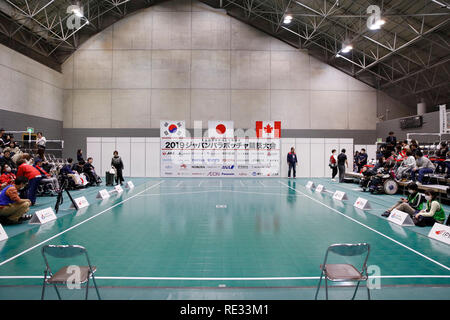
(345, 272)
(63, 274)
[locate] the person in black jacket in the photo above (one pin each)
(117, 163)
(89, 171)
(6, 159)
(391, 141)
(292, 162)
(342, 163)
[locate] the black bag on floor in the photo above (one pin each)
(109, 178)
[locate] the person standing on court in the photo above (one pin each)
(117, 163)
(292, 162)
(342, 163)
(333, 164)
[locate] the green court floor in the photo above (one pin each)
(225, 238)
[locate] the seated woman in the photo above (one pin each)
(79, 179)
(411, 205)
(46, 177)
(407, 165)
(7, 177)
(433, 212)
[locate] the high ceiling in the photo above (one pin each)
(408, 58)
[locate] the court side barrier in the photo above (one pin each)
(105, 194)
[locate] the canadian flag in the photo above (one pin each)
(221, 129)
(268, 129)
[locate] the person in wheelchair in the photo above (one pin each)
(78, 180)
(48, 184)
(407, 165)
(89, 171)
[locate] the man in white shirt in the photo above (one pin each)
(40, 143)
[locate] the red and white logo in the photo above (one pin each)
(268, 129)
(220, 129)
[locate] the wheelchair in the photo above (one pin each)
(379, 182)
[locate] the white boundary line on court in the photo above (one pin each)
(233, 278)
(78, 224)
(376, 231)
(207, 191)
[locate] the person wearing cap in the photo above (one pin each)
(34, 178)
(13, 209)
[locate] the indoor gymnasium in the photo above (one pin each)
(224, 150)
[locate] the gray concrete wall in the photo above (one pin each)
(430, 125)
(28, 87)
(186, 61)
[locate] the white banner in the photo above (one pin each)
(440, 232)
(211, 157)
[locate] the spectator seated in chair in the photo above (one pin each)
(89, 171)
(6, 159)
(432, 213)
(407, 165)
(410, 205)
(423, 166)
(13, 209)
(7, 177)
(80, 180)
(47, 179)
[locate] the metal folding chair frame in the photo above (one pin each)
(48, 273)
(363, 272)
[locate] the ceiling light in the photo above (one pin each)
(287, 19)
(346, 47)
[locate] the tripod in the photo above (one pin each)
(60, 198)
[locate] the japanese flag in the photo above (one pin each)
(221, 129)
(268, 129)
(172, 129)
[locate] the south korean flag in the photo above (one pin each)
(172, 129)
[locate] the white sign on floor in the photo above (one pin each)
(401, 218)
(43, 216)
(320, 188)
(340, 195)
(103, 194)
(129, 185)
(3, 235)
(440, 232)
(80, 202)
(362, 204)
(310, 185)
(118, 189)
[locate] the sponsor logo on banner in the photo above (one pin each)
(243, 174)
(3, 234)
(197, 173)
(227, 174)
(440, 232)
(228, 167)
(401, 218)
(198, 167)
(213, 174)
(43, 216)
